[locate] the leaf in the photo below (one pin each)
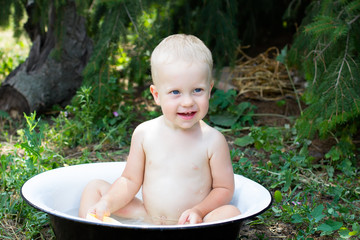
(277, 211)
(329, 226)
(224, 120)
(4, 114)
(242, 107)
(356, 230)
(344, 233)
(244, 141)
(296, 218)
(99, 156)
(356, 227)
(317, 213)
(335, 225)
(330, 171)
(324, 228)
(334, 154)
(278, 196)
(282, 56)
(288, 180)
(222, 99)
(321, 25)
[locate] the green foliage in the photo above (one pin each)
(80, 129)
(327, 51)
(16, 169)
(81, 124)
(210, 21)
(307, 196)
(316, 198)
(8, 62)
(136, 27)
(225, 112)
(17, 10)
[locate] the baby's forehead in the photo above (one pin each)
(161, 57)
(181, 65)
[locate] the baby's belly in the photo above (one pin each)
(165, 199)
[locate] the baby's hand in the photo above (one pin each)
(100, 210)
(190, 216)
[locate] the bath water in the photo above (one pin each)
(128, 221)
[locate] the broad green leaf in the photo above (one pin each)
(244, 141)
(335, 225)
(344, 233)
(324, 228)
(296, 218)
(224, 120)
(329, 226)
(317, 213)
(356, 227)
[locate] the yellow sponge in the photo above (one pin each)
(92, 217)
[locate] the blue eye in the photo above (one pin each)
(198, 90)
(175, 92)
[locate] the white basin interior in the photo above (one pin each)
(58, 191)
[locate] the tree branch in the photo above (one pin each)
(342, 62)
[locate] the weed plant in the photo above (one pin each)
(16, 168)
(317, 199)
(314, 198)
(9, 60)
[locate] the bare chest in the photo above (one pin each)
(183, 156)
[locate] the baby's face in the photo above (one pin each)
(183, 91)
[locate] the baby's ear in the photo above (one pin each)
(211, 86)
(155, 94)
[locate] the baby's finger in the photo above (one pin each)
(194, 219)
(99, 214)
(183, 219)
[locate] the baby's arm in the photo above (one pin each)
(222, 185)
(124, 189)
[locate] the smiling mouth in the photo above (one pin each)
(187, 115)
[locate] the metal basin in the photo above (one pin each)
(57, 192)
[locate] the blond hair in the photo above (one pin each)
(181, 47)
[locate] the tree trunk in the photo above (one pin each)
(52, 72)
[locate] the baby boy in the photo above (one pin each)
(182, 164)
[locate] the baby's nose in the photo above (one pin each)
(187, 101)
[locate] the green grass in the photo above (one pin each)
(315, 197)
(12, 52)
(321, 199)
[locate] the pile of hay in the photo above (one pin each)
(261, 77)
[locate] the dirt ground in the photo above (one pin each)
(272, 232)
(272, 112)
(268, 113)
(272, 117)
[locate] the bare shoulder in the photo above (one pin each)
(146, 127)
(212, 133)
(218, 152)
(215, 140)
